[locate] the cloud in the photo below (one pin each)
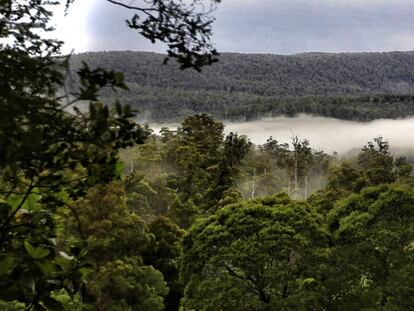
(298, 26)
(97, 25)
(73, 28)
(266, 26)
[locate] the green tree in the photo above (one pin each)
(50, 157)
(372, 253)
(233, 151)
(374, 165)
(163, 254)
(265, 254)
(127, 285)
(377, 162)
(195, 152)
(117, 240)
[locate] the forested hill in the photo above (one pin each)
(357, 86)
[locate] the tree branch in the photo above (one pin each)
(131, 7)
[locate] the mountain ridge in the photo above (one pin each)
(246, 86)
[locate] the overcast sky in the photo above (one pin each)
(264, 26)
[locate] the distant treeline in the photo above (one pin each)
(357, 86)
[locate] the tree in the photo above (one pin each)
(233, 151)
(263, 254)
(264, 169)
(51, 157)
(377, 162)
(372, 254)
(205, 165)
(163, 254)
(276, 152)
(298, 162)
(194, 152)
(117, 240)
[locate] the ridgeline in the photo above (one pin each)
(350, 86)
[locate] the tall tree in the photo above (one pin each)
(255, 255)
(117, 240)
(163, 254)
(372, 254)
(377, 162)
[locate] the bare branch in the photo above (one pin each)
(132, 7)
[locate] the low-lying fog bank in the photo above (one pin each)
(326, 134)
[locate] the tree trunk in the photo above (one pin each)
(306, 187)
(254, 184)
(296, 174)
(289, 185)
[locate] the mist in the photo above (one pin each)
(327, 134)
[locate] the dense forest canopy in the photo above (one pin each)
(351, 86)
(99, 213)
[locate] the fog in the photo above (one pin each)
(325, 134)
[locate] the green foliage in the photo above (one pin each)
(163, 254)
(372, 254)
(116, 240)
(49, 155)
(375, 157)
(11, 306)
(374, 165)
(72, 238)
(104, 211)
(245, 87)
(68, 303)
(184, 173)
(52, 157)
(356, 254)
(127, 285)
(255, 255)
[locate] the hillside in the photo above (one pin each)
(353, 86)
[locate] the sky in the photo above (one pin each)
(257, 26)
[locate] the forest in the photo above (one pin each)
(98, 212)
(240, 87)
(198, 220)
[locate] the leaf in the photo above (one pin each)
(46, 266)
(36, 252)
(63, 263)
(31, 202)
(7, 265)
(308, 281)
(119, 168)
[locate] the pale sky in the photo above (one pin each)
(262, 26)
